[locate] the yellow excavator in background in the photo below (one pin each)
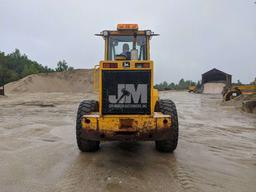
(192, 89)
(233, 91)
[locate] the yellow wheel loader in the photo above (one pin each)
(128, 107)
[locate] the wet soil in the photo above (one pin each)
(38, 152)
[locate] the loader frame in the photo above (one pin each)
(152, 126)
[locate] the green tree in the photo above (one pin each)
(171, 86)
(182, 85)
(14, 66)
(62, 66)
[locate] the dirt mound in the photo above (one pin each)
(79, 80)
(213, 88)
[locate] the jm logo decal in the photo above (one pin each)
(128, 94)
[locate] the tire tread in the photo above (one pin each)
(84, 108)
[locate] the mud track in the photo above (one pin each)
(216, 151)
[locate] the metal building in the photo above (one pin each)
(216, 76)
(214, 81)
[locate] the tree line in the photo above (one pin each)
(181, 85)
(15, 66)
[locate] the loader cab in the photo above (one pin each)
(127, 35)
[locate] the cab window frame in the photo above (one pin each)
(110, 48)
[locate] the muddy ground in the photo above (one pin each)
(216, 151)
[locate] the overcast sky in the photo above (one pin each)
(195, 35)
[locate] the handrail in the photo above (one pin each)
(96, 78)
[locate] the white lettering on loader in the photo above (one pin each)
(126, 93)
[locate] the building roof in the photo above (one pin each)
(214, 70)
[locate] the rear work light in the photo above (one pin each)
(127, 27)
(109, 65)
(142, 65)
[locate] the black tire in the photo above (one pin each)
(168, 107)
(84, 108)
